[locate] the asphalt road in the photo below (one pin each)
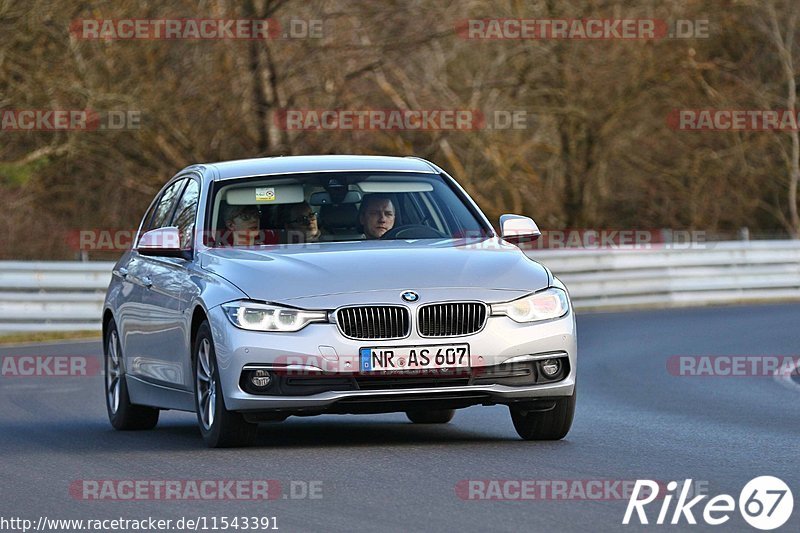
(380, 473)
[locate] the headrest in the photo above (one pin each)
(338, 216)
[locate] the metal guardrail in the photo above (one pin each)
(52, 296)
(711, 273)
(64, 296)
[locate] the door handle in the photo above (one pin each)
(123, 272)
(147, 282)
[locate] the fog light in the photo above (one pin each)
(260, 378)
(550, 367)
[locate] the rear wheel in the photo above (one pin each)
(122, 413)
(220, 428)
(553, 424)
(436, 416)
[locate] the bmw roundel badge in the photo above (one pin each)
(410, 296)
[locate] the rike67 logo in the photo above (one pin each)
(765, 503)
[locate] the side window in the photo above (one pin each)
(148, 216)
(186, 212)
(411, 214)
(164, 207)
(430, 204)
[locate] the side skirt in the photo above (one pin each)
(152, 395)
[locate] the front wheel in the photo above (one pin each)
(122, 413)
(220, 428)
(553, 424)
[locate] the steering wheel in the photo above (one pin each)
(413, 231)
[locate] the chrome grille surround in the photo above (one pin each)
(451, 319)
(374, 322)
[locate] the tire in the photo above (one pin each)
(122, 414)
(220, 428)
(553, 424)
(436, 416)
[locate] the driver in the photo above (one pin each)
(376, 215)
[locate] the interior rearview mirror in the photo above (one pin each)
(324, 198)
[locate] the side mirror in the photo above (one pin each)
(163, 242)
(517, 229)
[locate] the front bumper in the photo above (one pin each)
(322, 347)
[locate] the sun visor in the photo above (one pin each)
(385, 187)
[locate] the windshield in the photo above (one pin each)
(330, 207)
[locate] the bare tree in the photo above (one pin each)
(784, 42)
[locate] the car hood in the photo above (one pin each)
(488, 269)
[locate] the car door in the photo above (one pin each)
(165, 301)
(129, 271)
(149, 310)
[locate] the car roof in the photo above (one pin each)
(318, 163)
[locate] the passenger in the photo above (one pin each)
(376, 215)
(242, 225)
(301, 224)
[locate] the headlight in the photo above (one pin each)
(256, 316)
(545, 305)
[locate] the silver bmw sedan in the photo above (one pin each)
(266, 288)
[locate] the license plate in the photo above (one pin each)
(415, 357)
